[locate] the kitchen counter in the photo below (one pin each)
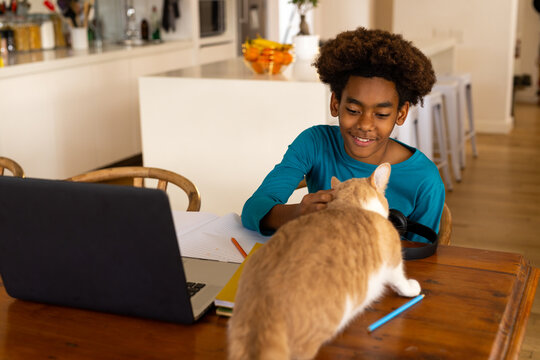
(25, 63)
(235, 69)
(65, 112)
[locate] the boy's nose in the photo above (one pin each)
(365, 122)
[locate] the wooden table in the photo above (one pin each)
(476, 307)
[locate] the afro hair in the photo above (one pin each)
(376, 53)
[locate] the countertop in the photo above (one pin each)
(26, 63)
(235, 69)
(298, 71)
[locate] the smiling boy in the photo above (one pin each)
(374, 76)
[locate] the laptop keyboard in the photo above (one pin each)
(194, 288)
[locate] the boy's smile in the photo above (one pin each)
(367, 112)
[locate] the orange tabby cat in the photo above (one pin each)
(317, 273)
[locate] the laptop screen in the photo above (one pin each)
(101, 247)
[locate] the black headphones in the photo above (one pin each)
(404, 225)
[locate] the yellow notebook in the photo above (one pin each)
(225, 298)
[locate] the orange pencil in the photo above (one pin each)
(239, 247)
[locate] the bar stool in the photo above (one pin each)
(465, 112)
(417, 131)
(407, 133)
(431, 116)
(450, 92)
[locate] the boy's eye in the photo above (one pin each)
(352, 111)
(382, 115)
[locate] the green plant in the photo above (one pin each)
(303, 7)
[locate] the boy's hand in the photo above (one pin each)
(282, 213)
(315, 201)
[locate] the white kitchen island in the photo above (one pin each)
(225, 128)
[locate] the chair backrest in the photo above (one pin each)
(12, 166)
(445, 227)
(137, 174)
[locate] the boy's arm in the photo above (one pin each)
(258, 213)
(275, 190)
(282, 213)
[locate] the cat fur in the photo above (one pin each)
(317, 273)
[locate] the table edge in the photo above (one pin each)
(525, 307)
(512, 327)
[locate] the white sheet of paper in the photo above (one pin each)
(187, 221)
(208, 236)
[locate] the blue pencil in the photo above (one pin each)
(395, 313)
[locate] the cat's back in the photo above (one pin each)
(318, 251)
(331, 233)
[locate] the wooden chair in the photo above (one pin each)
(135, 176)
(302, 184)
(12, 166)
(445, 226)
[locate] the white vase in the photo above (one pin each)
(306, 47)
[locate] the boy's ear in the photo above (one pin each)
(334, 105)
(402, 113)
(334, 182)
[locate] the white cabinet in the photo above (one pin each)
(63, 117)
(216, 52)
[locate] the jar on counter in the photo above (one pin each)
(59, 38)
(7, 37)
(21, 31)
(35, 34)
(3, 42)
(46, 30)
(10, 38)
(47, 34)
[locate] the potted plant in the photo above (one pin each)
(303, 7)
(306, 45)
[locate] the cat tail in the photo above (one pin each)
(268, 342)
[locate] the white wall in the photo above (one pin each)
(528, 32)
(485, 32)
(273, 20)
(335, 16)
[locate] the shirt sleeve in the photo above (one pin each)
(280, 183)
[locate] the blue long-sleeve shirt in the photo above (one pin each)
(318, 153)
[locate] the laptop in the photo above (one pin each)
(107, 248)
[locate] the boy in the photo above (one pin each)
(374, 77)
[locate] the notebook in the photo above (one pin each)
(100, 247)
(208, 236)
(225, 298)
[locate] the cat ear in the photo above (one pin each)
(334, 182)
(381, 175)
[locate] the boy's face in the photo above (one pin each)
(367, 112)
